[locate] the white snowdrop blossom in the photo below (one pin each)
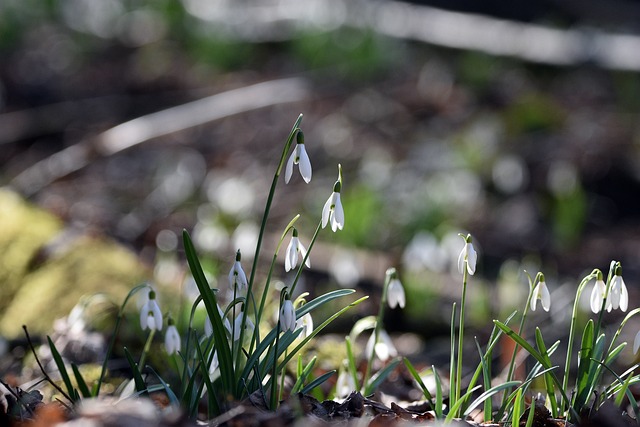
(208, 326)
(395, 293)
(306, 323)
(287, 316)
(468, 256)
(299, 157)
(598, 295)
(172, 340)
(150, 314)
(332, 210)
(619, 295)
(540, 292)
(291, 255)
(237, 278)
(237, 325)
(345, 383)
(384, 348)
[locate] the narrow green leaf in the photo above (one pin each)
(303, 374)
(517, 407)
(488, 393)
(418, 379)
(211, 304)
(173, 399)
(82, 385)
(380, 376)
(548, 379)
(486, 380)
(212, 395)
(584, 364)
(532, 411)
(351, 360)
(63, 370)
(439, 398)
(455, 408)
(316, 382)
(137, 376)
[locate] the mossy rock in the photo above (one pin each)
(36, 291)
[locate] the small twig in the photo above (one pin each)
(16, 396)
(47, 377)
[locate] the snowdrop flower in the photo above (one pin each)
(395, 291)
(214, 365)
(540, 292)
(468, 256)
(291, 256)
(598, 294)
(345, 383)
(150, 314)
(237, 278)
(208, 326)
(171, 337)
(619, 296)
(384, 348)
(306, 323)
(332, 210)
(237, 325)
(287, 316)
(299, 157)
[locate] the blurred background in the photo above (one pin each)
(126, 121)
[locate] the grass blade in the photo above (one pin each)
(82, 385)
(73, 393)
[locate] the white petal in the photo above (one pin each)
(534, 297)
(303, 253)
(396, 296)
(636, 343)
(157, 314)
(326, 211)
(172, 339)
(596, 298)
(232, 277)
(242, 278)
(614, 295)
(461, 257)
(545, 297)
(208, 327)
(291, 255)
(338, 214)
(304, 164)
(287, 317)
(289, 168)
(472, 258)
(624, 295)
(144, 314)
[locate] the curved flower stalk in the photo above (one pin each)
(291, 255)
(150, 314)
(540, 292)
(299, 157)
(332, 211)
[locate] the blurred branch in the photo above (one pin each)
(154, 125)
(284, 19)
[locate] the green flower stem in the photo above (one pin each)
(376, 334)
(572, 332)
(465, 276)
(304, 260)
(145, 350)
(265, 216)
(114, 334)
(532, 285)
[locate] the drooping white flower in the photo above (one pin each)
(291, 255)
(619, 295)
(299, 157)
(598, 295)
(384, 348)
(237, 326)
(332, 210)
(395, 294)
(345, 383)
(468, 256)
(237, 278)
(287, 316)
(208, 326)
(540, 292)
(306, 323)
(150, 314)
(172, 340)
